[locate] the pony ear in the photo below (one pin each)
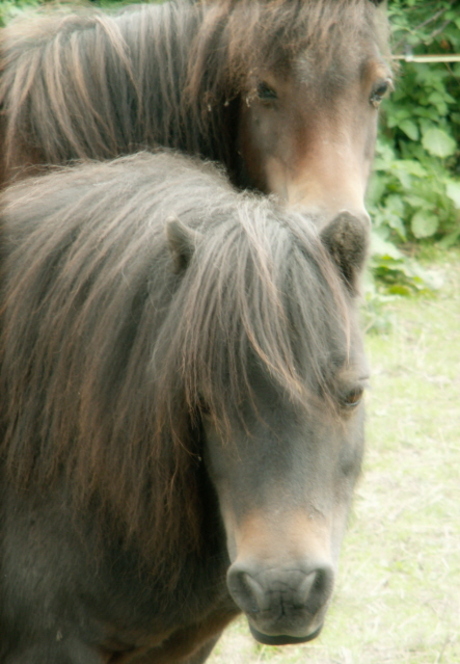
(181, 243)
(347, 240)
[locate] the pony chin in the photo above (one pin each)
(283, 639)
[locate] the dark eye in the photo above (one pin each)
(352, 398)
(379, 91)
(265, 92)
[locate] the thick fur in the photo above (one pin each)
(138, 296)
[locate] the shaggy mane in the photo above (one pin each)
(107, 355)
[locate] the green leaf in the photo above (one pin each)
(404, 178)
(439, 101)
(450, 240)
(424, 224)
(410, 166)
(410, 129)
(400, 289)
(399, 116)
(416, 201)
(438, 143)
(429, 114)
(453, 191)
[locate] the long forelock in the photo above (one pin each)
(261, 291)
(249, 36)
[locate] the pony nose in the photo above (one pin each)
(282, 602)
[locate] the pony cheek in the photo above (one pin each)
(229, 520)
(217, 466)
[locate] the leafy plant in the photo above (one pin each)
(415, 192)
(10, 8)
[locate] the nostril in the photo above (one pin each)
(305, 589)
(256, 592)
(246, 591)
(320, 589)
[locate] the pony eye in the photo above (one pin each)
(379, 91)
(265, 92)
(353, 398)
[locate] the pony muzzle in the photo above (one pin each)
(284, 604)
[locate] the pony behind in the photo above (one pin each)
(283, 94)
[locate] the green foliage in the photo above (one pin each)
(10, 8)
(415, 192)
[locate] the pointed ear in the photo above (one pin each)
(347, 240)
(181, 242)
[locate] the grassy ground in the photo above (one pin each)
(398, 596)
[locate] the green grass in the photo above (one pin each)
(397, 599)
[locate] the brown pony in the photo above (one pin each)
(284, 93)
(181, 422)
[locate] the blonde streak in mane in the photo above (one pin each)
(102, 38)
(257, 305)
(268, 337)
(13, 103)
(308, 237)
(54, 88)
(196, 345)
(74, 63)
(109, 26)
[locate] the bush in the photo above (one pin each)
(9, 8)
(414, 195)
